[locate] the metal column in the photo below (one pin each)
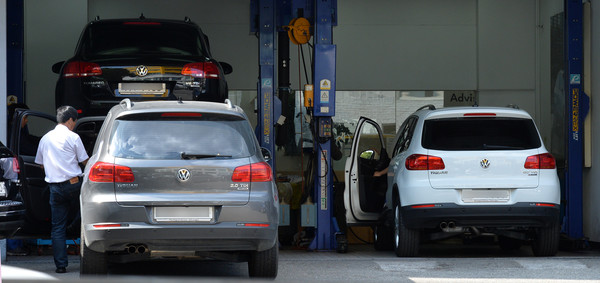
(324, 109)
(577, 108)
(266, 87)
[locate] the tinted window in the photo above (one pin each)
(139, 137)
(134, 39)
(480, 134)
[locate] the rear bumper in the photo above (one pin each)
(519, 215)
(185, 238)
(12, 215)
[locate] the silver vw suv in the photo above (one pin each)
(178, 180)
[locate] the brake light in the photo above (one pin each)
(479, 114)
(540, 161)
(424, 162)
(201, 70)
(103, 172)
(142, 23)
(78, 69)
(15, 165)
(181, 114)
(257, 172)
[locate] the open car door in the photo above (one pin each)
(364, 194)
(26, 129)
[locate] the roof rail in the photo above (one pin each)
(126, 104)
(228, 102)
(429, 106)
(513, 106)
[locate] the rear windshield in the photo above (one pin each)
(480, 134)
(113, 39)
(208, 136)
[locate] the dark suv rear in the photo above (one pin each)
(139, 59)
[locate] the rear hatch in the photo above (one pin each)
(179, 158)
(141, 59)
(482, 152)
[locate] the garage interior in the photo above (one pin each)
(386, 59)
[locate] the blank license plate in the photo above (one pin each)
(476, 196)
(183, 214)
(143, 89)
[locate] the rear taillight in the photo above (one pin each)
(257, 172)
(15, 165)
(201, 70)
(540, 161)
(103, 172)
(424, 162)
(78, 69)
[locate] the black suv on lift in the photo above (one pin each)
(139, 59)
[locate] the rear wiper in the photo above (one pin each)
(200, 156)
(488, 146)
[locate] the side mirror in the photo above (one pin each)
(227, 68)
(266, 154)
(367, 154)
(57, 66)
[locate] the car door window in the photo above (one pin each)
(405, 135)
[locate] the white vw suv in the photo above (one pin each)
(460, 171)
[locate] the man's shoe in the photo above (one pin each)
(61, 270)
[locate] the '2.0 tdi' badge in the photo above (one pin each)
(183, 175)
(485, 163)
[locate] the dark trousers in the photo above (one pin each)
(63, 197)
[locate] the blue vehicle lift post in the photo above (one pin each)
(577, 106)
(270, 15)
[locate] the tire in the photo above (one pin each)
(264, 264)
(382, 236)
(546, 240)
(509, 244)
(406, 241)
(92, 262)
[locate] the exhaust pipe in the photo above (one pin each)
(443, 225)
(136, 249)
(451, 225)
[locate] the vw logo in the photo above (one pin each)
(183, 175)
(484, 163)
(141, 70)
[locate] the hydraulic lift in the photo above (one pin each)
(272, 17)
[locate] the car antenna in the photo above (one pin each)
(142, 17)
(97, 18)
(180, 100)
(186, 19)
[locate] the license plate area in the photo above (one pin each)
(183, 213)
(142, 89)
(485, 195)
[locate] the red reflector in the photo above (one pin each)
(79, 111)
(181, 114)
(103, 172)
(106, 225)
(256, 225)
(78, 69)
(201, 70)
(15, 165)
(257, 172)
(423, 206)
(479, 114)
(540, 161)
(424, 162)
(142, 23)
(546, 204)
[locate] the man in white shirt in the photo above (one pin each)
(60, 151)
